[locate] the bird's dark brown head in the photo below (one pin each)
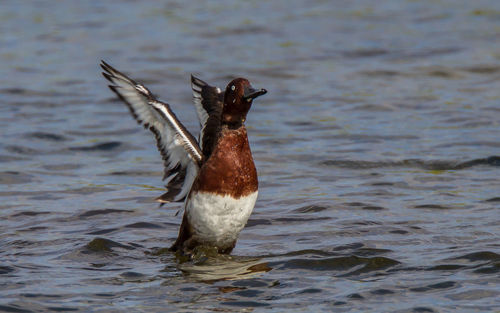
(238, 100)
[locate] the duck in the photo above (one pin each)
(214, 176)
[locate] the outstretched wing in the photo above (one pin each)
(179, 149)
(208, 101)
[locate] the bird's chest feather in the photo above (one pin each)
(230, 169)
(217, 219)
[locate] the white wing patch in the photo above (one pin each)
(179, 137)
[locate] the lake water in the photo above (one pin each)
(377, 148)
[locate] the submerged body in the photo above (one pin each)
(216, 175)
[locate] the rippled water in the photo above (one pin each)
(377, 149)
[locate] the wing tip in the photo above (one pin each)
(116, 74)
(172, 195)
(161, 200)
(108, 76)
(105, 66)
(114, 89)
(194, 78)
(195, 81)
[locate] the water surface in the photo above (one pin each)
(376, 146)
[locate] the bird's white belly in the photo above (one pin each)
(217, 220)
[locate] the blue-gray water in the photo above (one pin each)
(377, 149)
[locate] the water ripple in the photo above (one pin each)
(441, 165)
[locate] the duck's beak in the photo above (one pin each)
(251, 93)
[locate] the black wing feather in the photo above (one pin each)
(208, 101)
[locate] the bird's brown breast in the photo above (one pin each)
(230, 169)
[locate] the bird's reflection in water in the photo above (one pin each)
(206, 265)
